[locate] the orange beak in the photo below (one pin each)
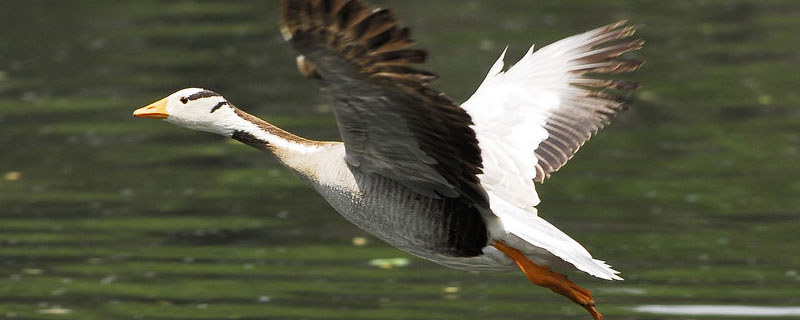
(156, 110)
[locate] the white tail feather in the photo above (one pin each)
(538, 232)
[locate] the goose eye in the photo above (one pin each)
(184, 100)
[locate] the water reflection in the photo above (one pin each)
(720, 310)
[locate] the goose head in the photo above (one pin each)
(194, 108)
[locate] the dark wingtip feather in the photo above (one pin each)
(371, 39)
(596, 101)
(378, 21)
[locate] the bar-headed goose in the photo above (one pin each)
(451, 184)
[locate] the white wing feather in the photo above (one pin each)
(509, 123)
(516, 111)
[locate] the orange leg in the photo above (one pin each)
(543, 276)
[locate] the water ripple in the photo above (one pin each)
(720, 310)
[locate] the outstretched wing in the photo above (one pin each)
(531, 119)
(391, 123)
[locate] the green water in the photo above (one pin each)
(692, 193)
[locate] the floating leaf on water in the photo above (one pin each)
(765, 100)
(32, 271)
(451, 289)
(12, 176)
(389, 263)
(55, 310)
(360, 241)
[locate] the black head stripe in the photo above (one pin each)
(219, 105)
(203, 94)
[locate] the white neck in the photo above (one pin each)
(296, 153)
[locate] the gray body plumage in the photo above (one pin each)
(447, 231)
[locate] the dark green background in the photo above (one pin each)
(692, 193)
